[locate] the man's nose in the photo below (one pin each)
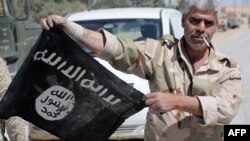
(201, 27)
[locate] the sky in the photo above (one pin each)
(234, 2)
(228, 2)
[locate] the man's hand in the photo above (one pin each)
(161, 101)
(75, 31)
(165, 101)
(52, 20)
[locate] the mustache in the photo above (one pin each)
(202, 35)
(199, 34)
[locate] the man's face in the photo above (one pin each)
(198, 24)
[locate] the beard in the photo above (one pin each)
(195, 42)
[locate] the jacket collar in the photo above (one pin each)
(211, 64)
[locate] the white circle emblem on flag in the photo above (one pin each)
(55, 103)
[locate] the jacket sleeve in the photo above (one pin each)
(16, 129)
(5, 78)
(15, 126)
(129, 56)
(221, 106)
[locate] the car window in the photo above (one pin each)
(177, 31)
(136, 29)
(176, 28)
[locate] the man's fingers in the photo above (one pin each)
(44, 24)
(150, 95)
(149, 99)
(47, 23)
(149, 102)
(52, 20)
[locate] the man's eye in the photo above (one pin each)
(195, 21)
(209, 23)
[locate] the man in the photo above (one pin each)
(15, 126)
(195, 90)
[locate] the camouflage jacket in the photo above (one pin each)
(217, 84)
(15, 126)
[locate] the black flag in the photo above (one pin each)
(63, 90)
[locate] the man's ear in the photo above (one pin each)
(216, 28)
(183, 20)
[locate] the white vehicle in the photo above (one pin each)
(132, 22)
(137, 24)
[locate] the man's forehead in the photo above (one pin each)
(196, 12)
